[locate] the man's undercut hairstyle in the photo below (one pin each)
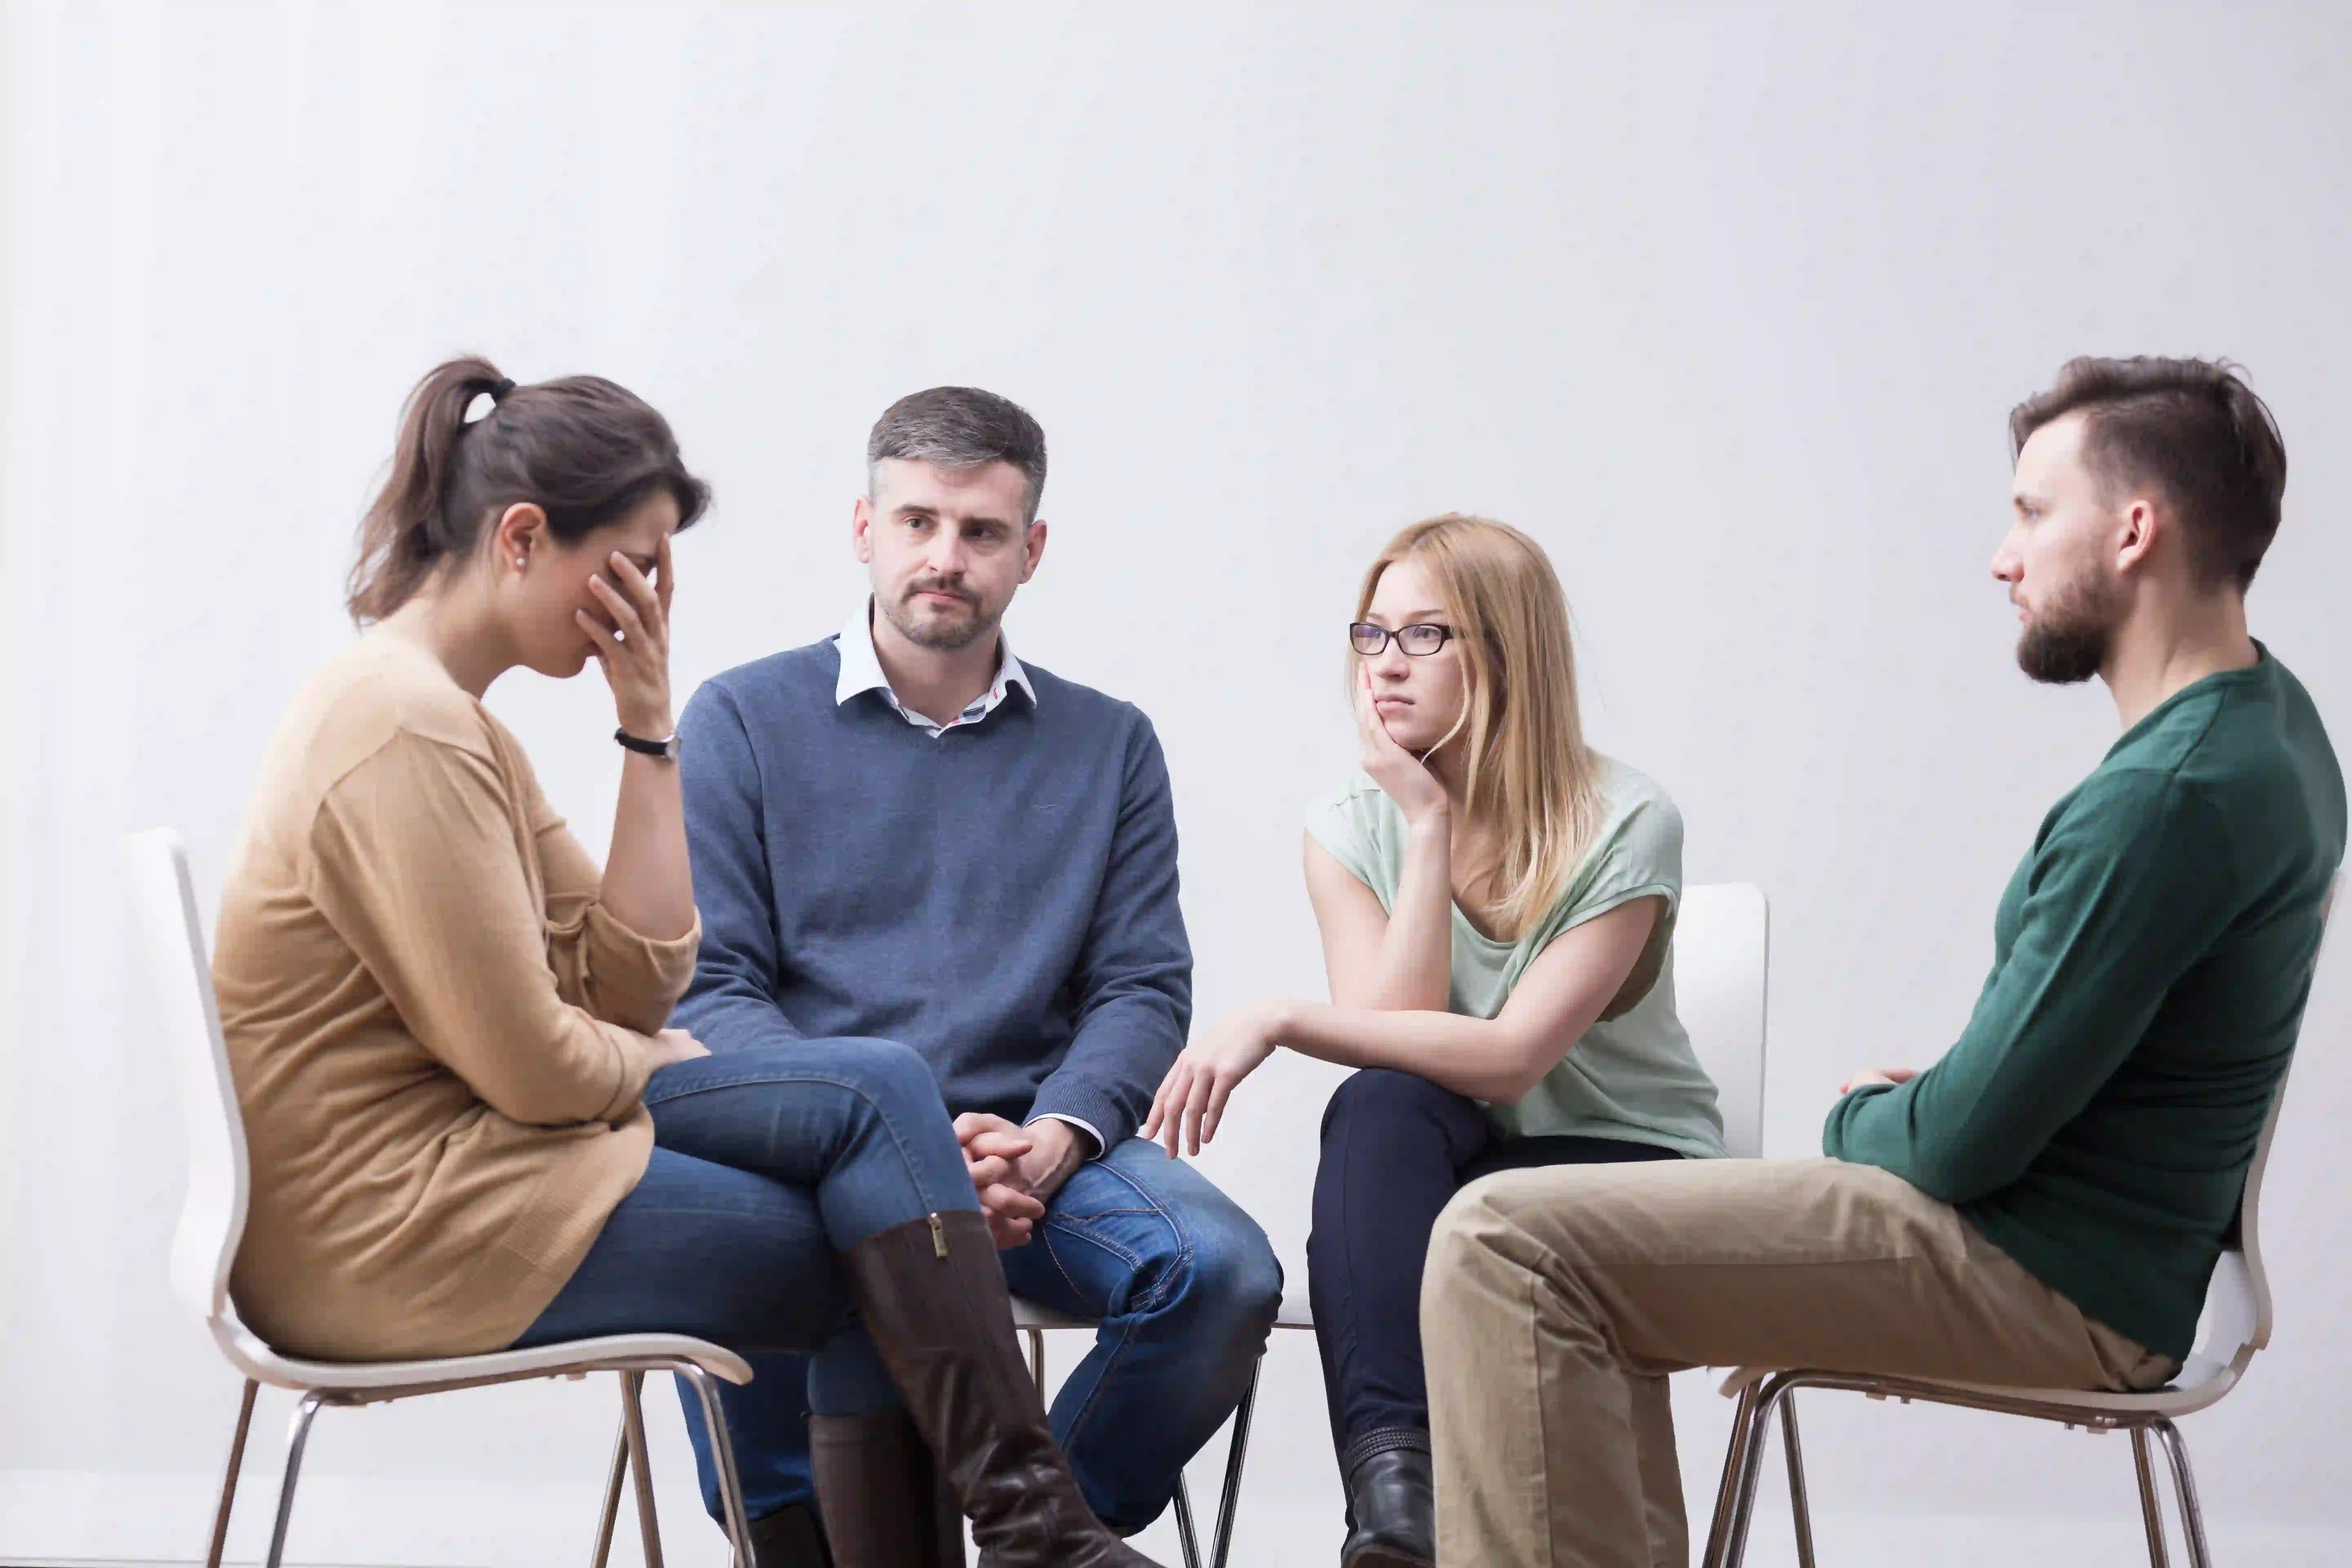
(2190, 429)
(961, 428)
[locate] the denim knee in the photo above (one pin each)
(895, 1078)
(1235, 1280)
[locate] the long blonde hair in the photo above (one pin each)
(1530, 779)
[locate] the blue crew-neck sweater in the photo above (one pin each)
(1001, 897)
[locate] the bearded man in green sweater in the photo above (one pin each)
(2044, 1206)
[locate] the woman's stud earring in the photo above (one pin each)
(522, 564)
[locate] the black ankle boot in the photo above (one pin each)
(789, 1537)
(1392, 1504)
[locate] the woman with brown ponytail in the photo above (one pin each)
(469, 1126)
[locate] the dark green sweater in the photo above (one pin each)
(2150, 960)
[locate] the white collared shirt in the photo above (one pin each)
(861, 672)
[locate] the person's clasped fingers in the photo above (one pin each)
(1003, 1146)
(1001, 1198)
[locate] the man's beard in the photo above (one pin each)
(941, 636)
(2067, 642)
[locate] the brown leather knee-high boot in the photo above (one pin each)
(932, 1296)
(884, 1500)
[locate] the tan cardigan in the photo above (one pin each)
(438, 1033)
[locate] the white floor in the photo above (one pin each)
(465, 1483)
(58, 1517)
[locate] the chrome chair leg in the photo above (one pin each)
(298, 1436)
(2151, 1513)
(1037, 1362)
(722, 1460)
(1735, 1449)
(1187, 1537)
(1236, 1453)
(2184, 1484)
(228, 1479)
(1751, 1465)
(612, 1513)
(1798, 1505)
(633, 1438)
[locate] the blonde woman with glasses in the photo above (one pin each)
(1497, 902)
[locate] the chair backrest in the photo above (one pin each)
(212, 1216)
(2237, 1312)
(1722, 949)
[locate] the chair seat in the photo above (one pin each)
(608, 1351)
(1028, 1314)
(2202, 1382)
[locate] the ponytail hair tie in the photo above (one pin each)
(500, 388)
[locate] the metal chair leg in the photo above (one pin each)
(1037, 1362)
(722, 1460)
(2193, 1518)
(1187, 1537)
(1236, 1452)
(1798, 1506)
(298, 1436)
(632, 1436)
(2151, 1513)
(611, 1511)
(1751, 1465)
(1735, 1450)
(228, 1479)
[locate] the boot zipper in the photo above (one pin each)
(939, 1237)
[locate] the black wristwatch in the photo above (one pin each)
(666, 750)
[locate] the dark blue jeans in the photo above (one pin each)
(1396, 1148)
(1187, 1287)
(768, 1164)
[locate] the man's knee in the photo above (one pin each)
(1231, 1287)
(1461, 1235)
(1378, 1100)
(1478, 1233)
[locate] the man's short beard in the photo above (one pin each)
(942, 638)
(2068, 642)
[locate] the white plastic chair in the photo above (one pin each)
(1723, 948)
(212, 1221)
(2236, 1323)
(1722, 936)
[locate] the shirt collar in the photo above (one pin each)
(861, 667)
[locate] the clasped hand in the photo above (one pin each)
(1016, 1171)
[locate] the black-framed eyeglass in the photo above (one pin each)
(1417, 640)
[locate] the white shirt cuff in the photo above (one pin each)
(1084, 1127)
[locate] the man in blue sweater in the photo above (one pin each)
(903, 832)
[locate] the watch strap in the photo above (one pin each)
(665, 748)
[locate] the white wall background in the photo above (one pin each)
(1725, 305)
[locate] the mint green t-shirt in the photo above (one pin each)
(1633, 1076)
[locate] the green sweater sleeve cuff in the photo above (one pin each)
(1838, 1133)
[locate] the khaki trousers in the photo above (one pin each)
(1555, 1301)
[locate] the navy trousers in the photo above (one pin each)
(1396, 1148)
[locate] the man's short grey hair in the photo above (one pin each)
(961, 428)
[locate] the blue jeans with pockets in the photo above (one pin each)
(769, 1163)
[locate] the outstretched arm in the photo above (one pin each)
(1581, 975)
